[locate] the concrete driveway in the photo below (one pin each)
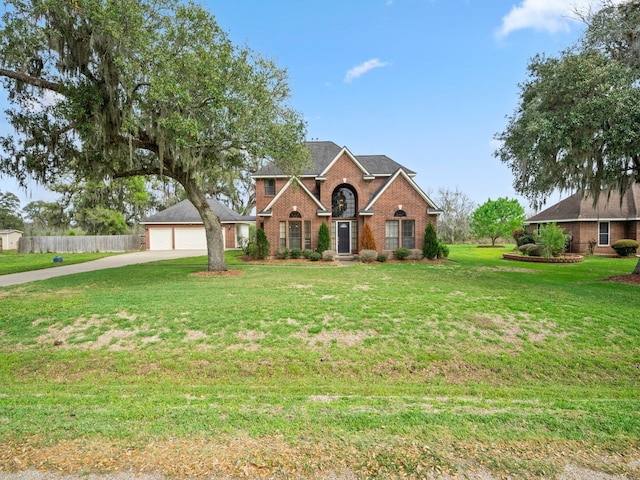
(114, 261)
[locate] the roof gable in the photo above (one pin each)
(576, 208)
(185, 212)
(344, 152)
(400, 173)
(301, 185)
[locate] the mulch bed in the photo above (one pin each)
(226, 273)
(630, 279)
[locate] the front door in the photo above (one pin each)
(344, 238)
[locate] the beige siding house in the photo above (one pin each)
(9, 239)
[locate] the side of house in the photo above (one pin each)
(345, 192)
(597, 226)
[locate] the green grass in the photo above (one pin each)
(420, 363)
(13, 262)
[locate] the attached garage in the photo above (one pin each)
(193, 238)
(160, 239)
(180, 227)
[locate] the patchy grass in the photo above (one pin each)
(400, 369)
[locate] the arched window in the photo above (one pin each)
(400, 213)
(295, 215)
(344, 202)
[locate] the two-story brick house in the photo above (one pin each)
(345, 191)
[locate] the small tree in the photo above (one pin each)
(430, 246)
(367, 241)
(497, 218)
(553, 240)
(324, 241)
(263, 247)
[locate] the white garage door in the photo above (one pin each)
(160, 239)
(190, 239)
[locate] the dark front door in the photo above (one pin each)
(344, 237)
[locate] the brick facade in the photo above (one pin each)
(587, 231)
(311, 204)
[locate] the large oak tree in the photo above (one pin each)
(103, 89)
(577, 126)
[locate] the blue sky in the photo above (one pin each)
(426, 82)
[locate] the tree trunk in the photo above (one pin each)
(636, 271)
(212, 228)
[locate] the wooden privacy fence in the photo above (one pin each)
(81, 244)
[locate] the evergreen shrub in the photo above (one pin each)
(625, 246)
(368, 256)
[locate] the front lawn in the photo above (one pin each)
(13, 262)
(306, 371)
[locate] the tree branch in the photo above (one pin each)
(31, 80)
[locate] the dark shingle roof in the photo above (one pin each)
(323, 153)
(185, 212)
(577, 208)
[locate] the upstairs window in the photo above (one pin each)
(343, 202)
(270, 187)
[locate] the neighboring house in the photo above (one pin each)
(9, 239)
(603, 224)
(180, 227)
(345, 191)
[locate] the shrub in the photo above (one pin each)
(401, 253)
(368, 256)
(306, 253)
(324, 241)
(415, 254)
(526, 239)
(263, 248)
(328, 255)
(553, 240)
(430, 246)
(252, 250)
(517, 234)
(367, 240)
(531, 249)
(625, 246)
(443, 250)
(382, 257)
(591, 245)
(295, 253)
(315, 256)
(282, 253)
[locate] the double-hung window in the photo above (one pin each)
(603, 233)
(408, 233)
(391, 235)
(270, 187)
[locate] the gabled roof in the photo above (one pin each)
(399, 173)
(324, 154)
(576, 208)
(185, 212)
(10, 230)
(267, 210)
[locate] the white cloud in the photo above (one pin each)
(363, 68)
(547, 15)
